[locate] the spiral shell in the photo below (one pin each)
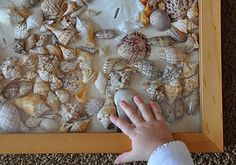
(30, 42)
(189, 69)
(160, 20)
(185, 25)
(10, 119)
(35, 20)
(134, 47)
(147, 69)
(63, 96)
(155, 91)
(106, 111)
(193, 12)
(113, 64)
(174, 55)
(190, 84)
(177, 35)
(51, 9)
(55, 50)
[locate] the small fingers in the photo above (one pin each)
(125, 127)
(145, 110)
(156, 110)
(131, 113)
(125, 158)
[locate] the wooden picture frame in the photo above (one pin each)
(209, 140)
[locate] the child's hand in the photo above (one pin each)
(148, 132)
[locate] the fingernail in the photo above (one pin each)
(137, 98)
(123, 103)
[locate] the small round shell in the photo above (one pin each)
(160, 20)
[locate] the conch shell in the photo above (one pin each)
(32, 104)
(106, 111)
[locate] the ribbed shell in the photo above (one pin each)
(172, 72)
(51, 8)
(21, 31)
(40, 87)
(185, 25)
(174, 55)
(48, 63)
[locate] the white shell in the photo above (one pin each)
(53, 101)
(93, 106)
(100, 83)
(193, 12)
(35, 20)
(21, 31)
(185, 25)
(33, 122)
(63, 96)
(71, 112)
(66, 66)
(79, 126)
(68, 53)
(25, 88)
(174, 55)
(11, 69)
(49, 125)
(55, 83)
(40, 87)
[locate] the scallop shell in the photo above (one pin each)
(134, 47)
(30, 42)
(29, 61)
(106, 111)
(155, 91)
(33, 122)
(179, 108)
(190, 84)
(11, 69)
(19, 47)
(11, 90)
(68, 53)
(51, 9)
(161, 41)
(167, 111)
(32, 104)
(177, 35)
(86, 30)
(49, 125)
(53, 101)
(101, 82)
(113, 64)
(93, 106)
(193, 12)
(185, 25)
(21, 31)
(44, 39)
(177, 9)
(160, 20)
(80, 126)
(63, 96)
(71, 112)
(66, 66)
(63, 36)
(35, 20)
(40, 87)
(119, 80)
(173, 90)
(189, 69)
(192, 102)
(174, 55)
(147, 69)
(68, 22)
(10, 119)
(105, 34)
(54, 50)
(55, 83)
(172, 72)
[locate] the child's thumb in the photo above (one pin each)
(124, 158)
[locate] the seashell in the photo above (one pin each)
(90, 50)
(30, 42)
(155, 91)
(51, 9)
(160, 20)
(106, 34)
(173, 90)
(119, 80)
(174, 55)
(39, 51)
(81, 95)
(189, 85)
(177, 9)
(193, 12)
(45, 76)
(147, 69)
(167, 111)
(179, 108)
(25, 88)
(172, 72)
(153, 3)
(189, 69)
(19, 47)
(101, 82)
(11, 90)
(34, 3)
(106, 111)
(5, 16)
(22, 3)
(63, 36)
(54, 50)
(80, 126)
(93, 106)
(68, 53)
(71, 112)
(53, 101)
(63, 96)
(35, 20)
(134, 47)
(32, 104)
(19, 14)
(43, 29)
(68, 8)
(30, 75)
(68, 22)
(49, 125)
(29, 61)
(66, 66)
(161, 41)
(44, 39)
(21, 31)
(91, 13)
(10, 119)
(86, 30)
(177, 35)
(65, 127)
(73, 81)
(184, 25)
(11, 69)
(48, 63)
(113, 64)
(33, 122)
(192, 43)
(126, 95)
(40, 87)
(55, 83)
(104, 51)
(192, 102)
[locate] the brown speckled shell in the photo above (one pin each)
(134, 47)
